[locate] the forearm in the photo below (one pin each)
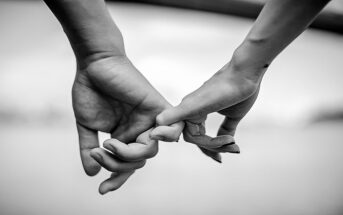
(88, 26)
(278, 24)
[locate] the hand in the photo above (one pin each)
(123, 159)
(231, 92)
(110, 95)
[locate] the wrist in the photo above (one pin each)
(97, 49)
(251, 55)
(89, 28)
(248, 60)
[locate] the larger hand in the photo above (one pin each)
(111, 95)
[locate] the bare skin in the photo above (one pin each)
(228, 93)
(233, 90)
(109, 94)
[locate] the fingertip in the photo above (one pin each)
(179, 126)
(90, 165)
(103, 189)
(92, 169)
(217, 158)
(231, 148)
(110, 141)
(109, 144)
(106, 186)
(114, 182)
(214, 155)
(88, 140)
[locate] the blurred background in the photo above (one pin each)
(291, 141)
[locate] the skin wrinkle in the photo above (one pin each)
(278, 24)
(109, 93)
(123, 62)
(98, 55)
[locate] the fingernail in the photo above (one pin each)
(97, 156)
(228, 144)
(217, 158)
(235, 149)
(112, 148)
(235, 152)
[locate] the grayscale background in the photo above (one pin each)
(291, 159)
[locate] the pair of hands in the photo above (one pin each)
(110, 95)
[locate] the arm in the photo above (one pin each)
(278, 24)
(233, 89)
(88, 25)
(109, 94)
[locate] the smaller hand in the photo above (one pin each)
(123, 159)
(230, 92)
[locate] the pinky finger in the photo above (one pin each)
(166, 133)
(114, 182)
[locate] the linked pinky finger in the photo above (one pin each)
(114, 182)
(166, 133)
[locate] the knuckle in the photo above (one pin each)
(160, 119)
